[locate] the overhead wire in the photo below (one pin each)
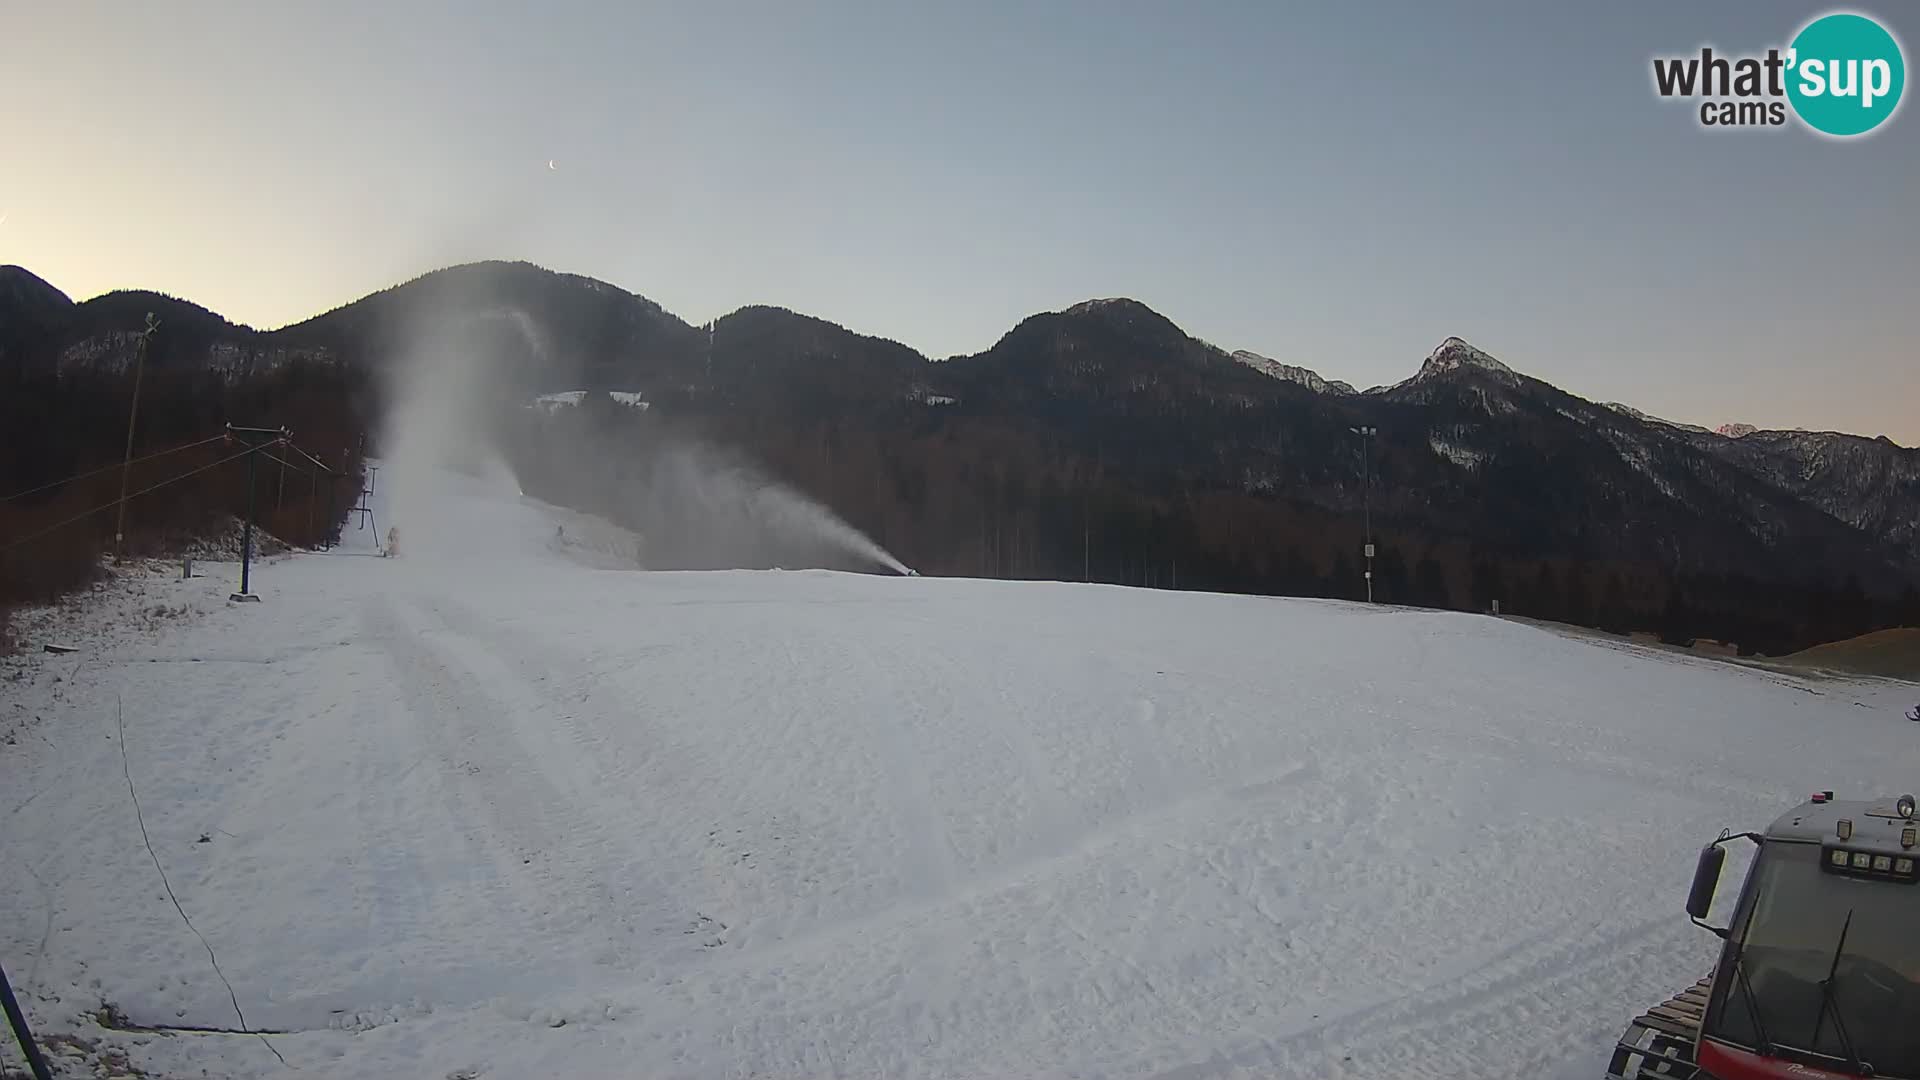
(115, 465)
(323, 465)
(29, 538)
(283, 463)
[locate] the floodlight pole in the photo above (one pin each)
(1086, 541)
(1366, 457)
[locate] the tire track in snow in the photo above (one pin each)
(1676, 782)
(659, 782)
(974, 732)
(564, 692)
(678, 811)
(1053, 815)
(912, 788)
(1131, 831)
(916, 729)
(1406, 1026)
(547, 848)
(424, 685)
(1409, 1035)
(1139, 973)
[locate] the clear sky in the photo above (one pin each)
(1339, 186)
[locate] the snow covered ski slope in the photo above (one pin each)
(496, 808)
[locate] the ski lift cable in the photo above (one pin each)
(321, 464)
(108, 468)
(281, 461)
(110, 505)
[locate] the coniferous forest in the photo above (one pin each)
(1101, 443)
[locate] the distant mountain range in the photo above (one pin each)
(1472, 455)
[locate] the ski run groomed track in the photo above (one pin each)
(498, 808)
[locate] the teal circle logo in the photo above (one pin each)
(1845, 74)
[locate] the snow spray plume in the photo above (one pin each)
(469, 361)
(442, 389)
(700, 507)
(693, 506)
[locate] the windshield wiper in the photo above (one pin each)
(1746, 992)
(1830, 1003)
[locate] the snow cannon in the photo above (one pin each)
(1819, 969)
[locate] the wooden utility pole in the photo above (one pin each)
(126, 464)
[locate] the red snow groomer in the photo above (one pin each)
(1819, 976)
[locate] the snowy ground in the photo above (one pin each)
(509, 811)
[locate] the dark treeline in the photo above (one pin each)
(956, 494)
(59, 425)
(1099, 442)
(948, 491)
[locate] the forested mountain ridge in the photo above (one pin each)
(1104, 441)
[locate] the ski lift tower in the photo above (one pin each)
(255, 439)
(365, 506)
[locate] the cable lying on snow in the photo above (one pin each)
(119, 711)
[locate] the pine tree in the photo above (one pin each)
(1579, 605)
(1547, 603)
(1430, 584)
(1615, 614)
(1488, 586)
(1675, 618)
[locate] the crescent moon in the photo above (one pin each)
(549, 163)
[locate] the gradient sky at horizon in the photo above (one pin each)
(1339, 187)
